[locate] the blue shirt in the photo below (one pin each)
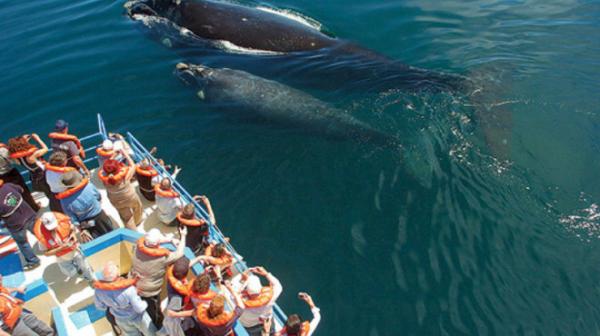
(83, 205)
(123, 303)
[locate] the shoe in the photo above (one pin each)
(31, 266)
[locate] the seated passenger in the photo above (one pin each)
(198, 230)
(149, 265)
(294, 325)
(55, 168)
(213, 318)
(259, 300)
(82, 203)
(58, 237)
(18, 217)
(31, 157)
(168, 202)
(120, 297)
(15, 320)
(10, 174)
(116, 177)
(62, 141)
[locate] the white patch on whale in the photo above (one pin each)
(307, 21)
(200, 94)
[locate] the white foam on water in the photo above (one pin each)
(307, 21)
(585, 223)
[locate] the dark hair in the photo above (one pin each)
(58, 158)
(219, 250)
(181, 268)
(18, 144)
(293, 325)
(188, 211)
(201, 283)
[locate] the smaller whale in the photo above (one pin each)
(276, 103)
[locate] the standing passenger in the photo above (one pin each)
(150, 263)
(16, 321)
(147, 178)
(69, 144)
(31, 157)
(197, 227)
(168, 202)
(10, 174)
(55, 168)
(294, 325)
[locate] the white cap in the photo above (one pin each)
(49, 220)
(107, 145)
(253, 286)
(153, 238)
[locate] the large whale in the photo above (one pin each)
(274, 102)
(257, 30)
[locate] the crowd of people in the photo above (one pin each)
(207, 304)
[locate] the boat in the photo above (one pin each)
(68, 304)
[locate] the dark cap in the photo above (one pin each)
(60, 125)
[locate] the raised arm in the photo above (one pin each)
(180, 248)
(130, 165)
(209, 209)
(236, 296)
(43, 147)
(315, 311)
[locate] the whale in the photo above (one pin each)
(246, 29)
(275, 103)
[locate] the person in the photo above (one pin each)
(294, 325)
(62, 141)
(10, 174)
(178, 299)
(147, 178)
(168, 202)
(218, 256)
(55, 168)
(198, 230)
(105, 151)
(120, 298)
(259, 300)
(31, 157)
(116, 177)
(200, 291)
(213, 318)
(111, 148)
(81, 202)
(14, 319)
(18, 217)
(57, 235)
(149, 265)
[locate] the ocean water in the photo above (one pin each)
(485, 222)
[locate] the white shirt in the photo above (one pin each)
(53, 179)
(168, 207)
(251, 316)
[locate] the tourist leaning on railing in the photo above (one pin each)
(168, 202)
(10, 174)
(82, 203)
(18, 217)
(294, 325)
(198, 231)
(31, 158)
(62, 141)
(149, 265)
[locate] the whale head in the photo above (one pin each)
(151, 7)
(193, 74)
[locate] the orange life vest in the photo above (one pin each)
(63, 230)
(265, 296)
(65, 137)
(198, 299)
(104, 153)
(118, 177)
(70, 192)
(165, 193)
(218, 321)
(57, 169)
(4, 290)
(221, 261)
(11, 309)
(1, 182)
(304, 329)
(190, 222)
(151, 251)
(150, 172)
(23, 153)
(120, 283)
(180, 286)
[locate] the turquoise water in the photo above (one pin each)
(442, 238)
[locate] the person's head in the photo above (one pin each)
(112, 167)
(253, 286)
(219, 250)
(19, 144)
(293, 325)
(71, 179)
(107, 145)
(110, 272)
(145, 164)
(201, 284)
(58, 159)
(165, 184)
(216, 307)
(49, 221)
(152, 238)
(188, 211)
(181, 268)
(61, 126)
